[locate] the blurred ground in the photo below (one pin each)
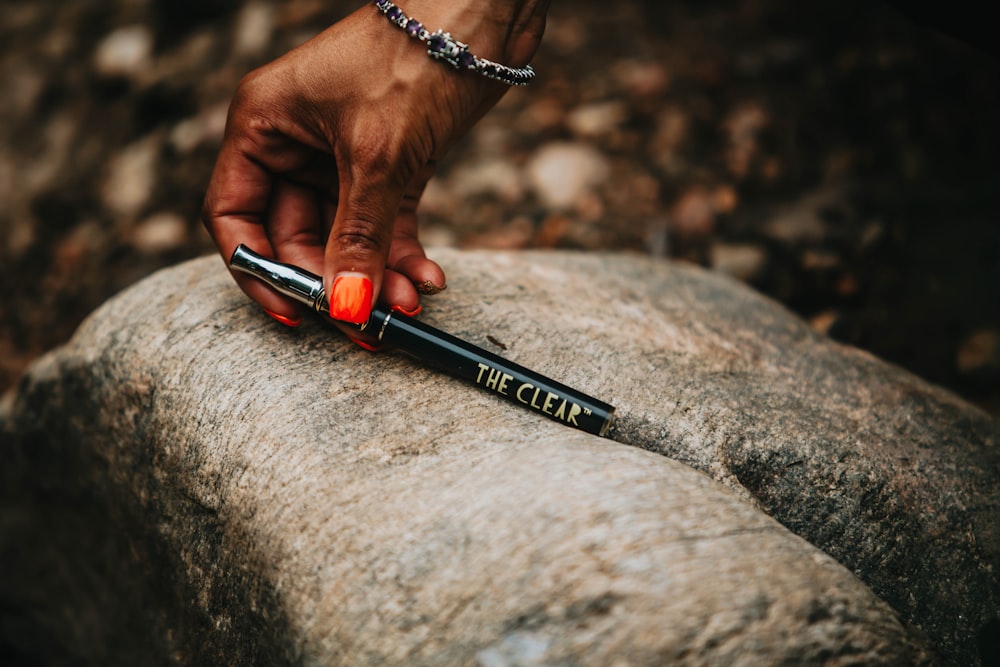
(837, 156)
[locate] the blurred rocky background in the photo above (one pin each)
(838, 156)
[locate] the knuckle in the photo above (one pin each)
(209, 211)
(206, 214)
(252, 86)
(360, 238)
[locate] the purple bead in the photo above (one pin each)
(466, 59)
(413, 27)
(394, 13)
(436, 43)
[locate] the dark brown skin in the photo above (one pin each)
(327, 149)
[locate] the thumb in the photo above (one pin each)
(358, 245)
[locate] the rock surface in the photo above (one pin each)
(189, 482)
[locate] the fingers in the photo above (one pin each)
(295, 225)
(407, 257)
(295, 230)
(359, 244)
(380, 170)
(248, 199)
(398, 276)
(398, 292)
(298, 233)
(406, 254)
(234, 212)
(291, 222)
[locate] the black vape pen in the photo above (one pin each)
(489, 371)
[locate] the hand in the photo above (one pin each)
(328, 149)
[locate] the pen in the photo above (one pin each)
(486, 370)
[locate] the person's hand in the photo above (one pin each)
(328, 149)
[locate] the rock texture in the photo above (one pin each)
(188, 482)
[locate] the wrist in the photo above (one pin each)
(443, 47)
(504, 30)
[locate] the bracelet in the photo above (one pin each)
(441, 46)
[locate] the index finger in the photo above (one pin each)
(234, 212)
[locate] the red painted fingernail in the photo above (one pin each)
(287, 321)
(351, 300)
(365, 344)
(411, 313)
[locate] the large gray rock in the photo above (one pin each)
(189, 482)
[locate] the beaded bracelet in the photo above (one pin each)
(441, 46)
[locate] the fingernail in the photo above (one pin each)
(351, 300)
(365, 344)
(427, 287)
(410, 313)
(287, 321)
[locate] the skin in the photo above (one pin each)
(327, 149)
